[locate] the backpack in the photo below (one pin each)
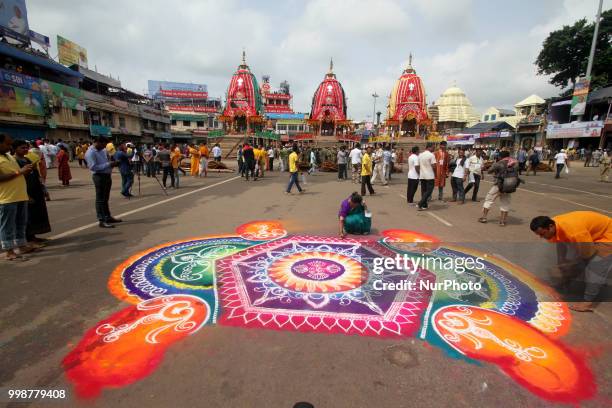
(509, 179)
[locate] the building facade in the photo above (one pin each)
(193, 115)
(43, 99)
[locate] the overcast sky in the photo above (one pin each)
(487, 46)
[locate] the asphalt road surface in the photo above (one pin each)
(49, 302)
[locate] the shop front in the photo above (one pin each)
(575, 134)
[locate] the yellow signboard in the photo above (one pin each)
(380, 138)
(434, 137)
(71, 53)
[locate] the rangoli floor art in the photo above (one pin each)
(260, 277)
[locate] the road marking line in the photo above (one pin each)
(557, 198)
(571, 189)
(442, 220)
(146, 207)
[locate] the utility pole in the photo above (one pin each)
(594, 42)
(593, 46)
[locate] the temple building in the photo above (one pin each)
(244, 108)
(278, 101)
(407, 109)
(328, 112)
(455, 111)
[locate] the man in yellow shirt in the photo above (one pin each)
(366, 172)
(257, 152)
(13, 203)
(293, 171)
(175, 160)
(110, 149)
(584, 243)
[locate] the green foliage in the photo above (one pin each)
(565, 53)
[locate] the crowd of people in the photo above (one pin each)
(431, 170)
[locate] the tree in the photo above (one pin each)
(565, 53)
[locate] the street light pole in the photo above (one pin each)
(594, 41)
(374, 95)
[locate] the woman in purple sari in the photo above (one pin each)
(354, 217)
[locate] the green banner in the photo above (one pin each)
(19, 100)
(216, 133)
(182, 116)
(63, 95)
(267, 135)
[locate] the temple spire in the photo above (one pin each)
(409, 68)
(331, 66)
(243, 57)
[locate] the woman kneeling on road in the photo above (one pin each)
(354, 216)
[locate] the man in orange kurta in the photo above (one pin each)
(204, 154)
(584, 242)
(195, 160)
(442, 163)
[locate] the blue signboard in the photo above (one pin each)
(20, 80)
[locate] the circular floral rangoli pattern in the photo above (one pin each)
(317, 272)
(262, 278)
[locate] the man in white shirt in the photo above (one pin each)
(355, 156)
(49, 151)
(475, 163)
(378, 161)
(341, 158)
(458, 177)
(561, 159)
(413, 174)
(313, 162)
(427, 175)
(271, 158)
(216, 151)
(387, 166)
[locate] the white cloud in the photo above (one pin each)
(489, 49)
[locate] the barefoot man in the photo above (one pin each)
(584, 242)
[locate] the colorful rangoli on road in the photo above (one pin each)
(260, 277)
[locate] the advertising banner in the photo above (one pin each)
(14, 17)
(278, 96)
(579, 98)
(51, 92)
(63, 95)
(278, 109)
(177, 90)
(461, 139)
(177, 93)
(574, 129)
(20, 100)
(384, 138)
(482, 135)
(99, 130)
(43, 40)
(191, 108)
(20, 80)
(71, 53)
